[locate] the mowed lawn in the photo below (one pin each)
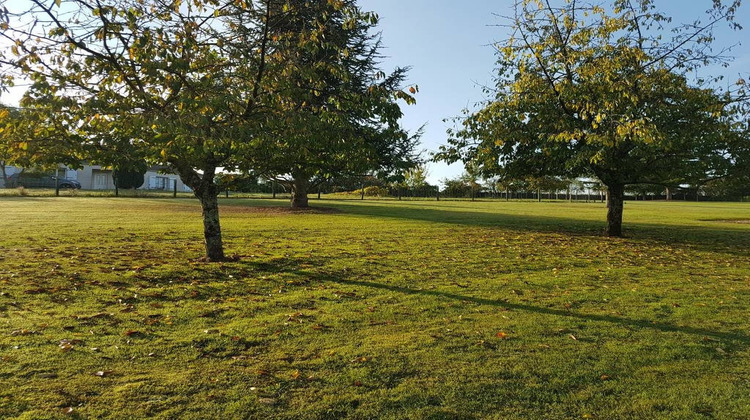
(373, 309)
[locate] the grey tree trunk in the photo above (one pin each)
(211, 226)
(207, 193)
(6, 184)
(615, 205)
(299, 193)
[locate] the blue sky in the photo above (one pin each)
(448, 45)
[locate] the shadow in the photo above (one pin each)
(639, 323)
(729, 239)
(292, 266)
(301, 267)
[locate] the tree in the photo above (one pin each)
(8, 116)
(416, 177)
(346, 122)
(191, 83)
(31, 138)
(583, 92)
(129, 177)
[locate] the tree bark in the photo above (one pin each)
(207, 193)
(211, 226)
(300, 185)
(6, 182)
(615, 205)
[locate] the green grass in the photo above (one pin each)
(379, 309)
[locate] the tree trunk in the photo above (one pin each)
(299, 193)
(615, 205)
(668, 193)
(6, 182)
(539, 195)
(211, 226)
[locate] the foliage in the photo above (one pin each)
(375, 191)
(416, 177)
(340, 112)
(31, 139)
(583, 91)
(382, 309)
(191, 84)
(129, 177)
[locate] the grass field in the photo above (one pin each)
(374, 309)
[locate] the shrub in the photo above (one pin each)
(374, 191)
(129, 178)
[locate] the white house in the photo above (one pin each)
(96, 177)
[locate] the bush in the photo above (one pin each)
(372, 191)
(129, 178)
(22, 191)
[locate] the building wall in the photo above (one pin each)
(94, 177)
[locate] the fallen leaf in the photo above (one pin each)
(573, 337)
(604, 377)
(103, 373)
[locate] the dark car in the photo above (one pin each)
(43, 181)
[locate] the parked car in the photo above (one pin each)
(43, 181)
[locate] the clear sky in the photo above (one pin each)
(448, 44)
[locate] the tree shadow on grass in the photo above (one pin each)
(318, 273)
(637, 323)
(730, 239)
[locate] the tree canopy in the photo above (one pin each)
(347, 121)
(605, 92)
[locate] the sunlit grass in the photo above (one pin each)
(377, 309)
